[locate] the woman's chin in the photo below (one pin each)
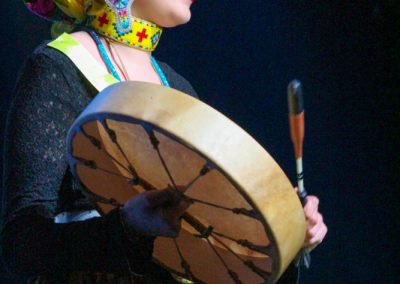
(174, 20)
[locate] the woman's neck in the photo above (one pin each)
(130, 54)
(131, 64)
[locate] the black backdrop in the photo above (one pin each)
(240, 55)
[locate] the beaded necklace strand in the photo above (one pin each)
(104, 55)
(111, 67)
(122, 68)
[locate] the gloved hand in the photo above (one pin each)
(155, 213)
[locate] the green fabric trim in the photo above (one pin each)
(97, 75)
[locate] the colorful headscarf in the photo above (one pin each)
(111, 18)
(65, 14)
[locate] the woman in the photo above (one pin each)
(49, 233)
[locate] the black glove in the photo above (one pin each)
(155, 213)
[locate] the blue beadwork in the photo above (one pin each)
(104, 55)
(118, 31)
(122, 12)
(111, 67)
(155, 38)
(160, 73)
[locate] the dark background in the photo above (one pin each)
(240, 56)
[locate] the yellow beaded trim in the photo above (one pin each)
(144, 35)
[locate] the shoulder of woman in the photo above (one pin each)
(49, 66)
(176, 80)
(46, 55)
(55, 55)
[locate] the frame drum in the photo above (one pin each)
(246, 223)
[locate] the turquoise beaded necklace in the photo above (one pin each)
(111, 67)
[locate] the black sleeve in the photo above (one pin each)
(290, 276)
(37, 124)
(177, 81)
(33, 245)
(46, 103)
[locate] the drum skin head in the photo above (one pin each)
(246, 222)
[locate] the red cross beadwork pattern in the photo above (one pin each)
(141, 35)
(103, 20)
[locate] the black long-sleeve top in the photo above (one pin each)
(50, 94)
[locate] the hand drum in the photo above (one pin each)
(246, 224)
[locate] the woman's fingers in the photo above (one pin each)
(312, 230)
(311, 207)
(315, 233)
(316, 228)
(316, 237)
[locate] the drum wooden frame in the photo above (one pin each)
(246, 224)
